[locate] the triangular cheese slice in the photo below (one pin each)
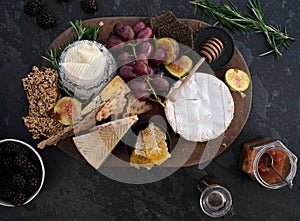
(96, 146)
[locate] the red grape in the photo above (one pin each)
(145, 33)
(118, 29)
(127, 33)
(146, 48)
(160, 84)
(143, 58)
(141, 68)
(158, 56)
(124, 58)
(138, 26)
(127, 73)
(114, 41)
(140, 90)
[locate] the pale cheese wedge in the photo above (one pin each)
(112, 89)
(204, 109)
(96, 146)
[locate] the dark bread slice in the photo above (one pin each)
(178, 31)
(161, 19)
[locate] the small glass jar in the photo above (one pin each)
(215, 199)
(252, 155)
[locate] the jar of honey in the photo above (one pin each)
(269, 162)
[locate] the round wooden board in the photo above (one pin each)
(183, 156)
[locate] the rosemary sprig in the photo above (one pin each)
(229, 16)
(52, 57)
(90, 32)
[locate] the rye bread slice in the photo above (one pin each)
(161, 19)
(182, 33)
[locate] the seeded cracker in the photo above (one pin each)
(42, 93)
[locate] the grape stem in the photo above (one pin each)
(157, 99)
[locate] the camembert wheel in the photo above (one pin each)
(204, 109)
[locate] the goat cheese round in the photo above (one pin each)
(203, 110)
(86, 67)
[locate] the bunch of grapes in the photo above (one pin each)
(139, 59)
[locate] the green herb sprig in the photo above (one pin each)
(229, 16)
(89, 32)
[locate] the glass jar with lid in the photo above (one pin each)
(264, 158)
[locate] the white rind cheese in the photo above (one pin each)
(86, 67)
(204, 109)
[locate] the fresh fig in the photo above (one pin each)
(67, 110)
(237, 80)
(170, 46)
(180, 67)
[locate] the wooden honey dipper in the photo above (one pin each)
(210, 51)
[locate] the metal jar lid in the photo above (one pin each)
(216, 201)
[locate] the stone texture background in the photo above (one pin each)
(74, 191)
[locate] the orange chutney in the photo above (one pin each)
(280, 163)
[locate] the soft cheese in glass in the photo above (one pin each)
(86, 67)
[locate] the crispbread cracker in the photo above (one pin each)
(114, 106)
(135, 106)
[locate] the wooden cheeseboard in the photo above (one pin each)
(186, 153)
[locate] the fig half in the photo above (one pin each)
(170, 46)
(67, 110)
(180, 67)
(237, 80)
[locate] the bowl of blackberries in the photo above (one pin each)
(22, 173)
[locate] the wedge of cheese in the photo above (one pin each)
(96, 146)
(112, 89)
(203, 110)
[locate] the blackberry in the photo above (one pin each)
(19, 199)
(18, 182)
(30, 170)
(46, 20)
(6, 193)
(7, 163)
(20, 159)
(88, 5)
(10, 147)
(34, 7)
(33, 184)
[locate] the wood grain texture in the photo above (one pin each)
(184, 153)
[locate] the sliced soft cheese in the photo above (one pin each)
(112, 89)
(204, 109)
(96, 146)
(84, 64)
(81, 53)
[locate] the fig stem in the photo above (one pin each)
(174, 95)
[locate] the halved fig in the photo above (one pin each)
(171, 48)
(67, 110)
(180, 67)
(237, 80)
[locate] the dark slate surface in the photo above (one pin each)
(74, 191)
